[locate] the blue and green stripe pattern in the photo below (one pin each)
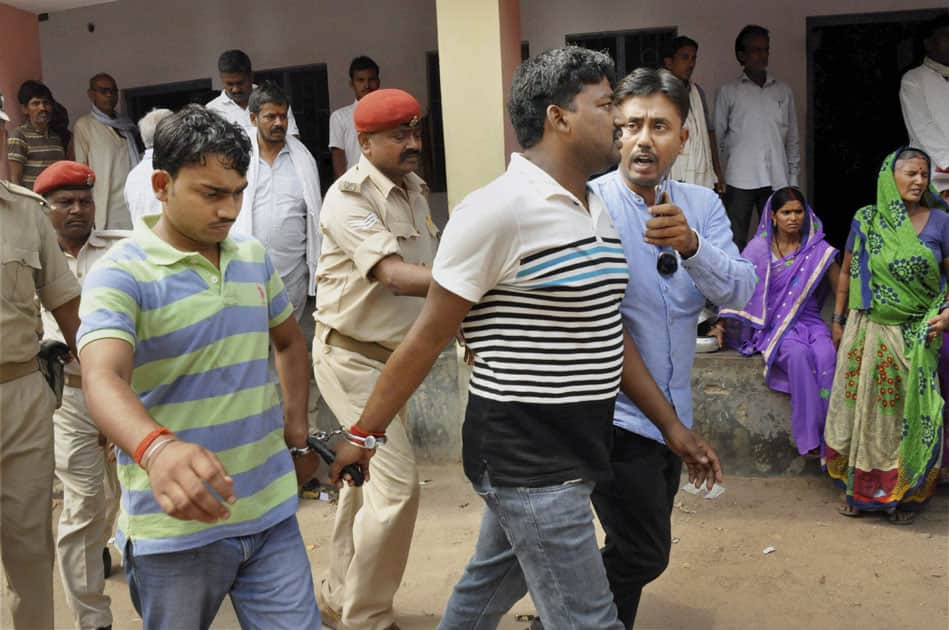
(200, 337)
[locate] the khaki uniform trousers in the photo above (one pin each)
(26, 499)
(374, 524)
(90, 504)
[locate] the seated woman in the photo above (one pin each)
(796, 270)
(883, 438)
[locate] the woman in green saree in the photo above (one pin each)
(883, 437)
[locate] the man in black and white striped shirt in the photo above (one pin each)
(533, 268)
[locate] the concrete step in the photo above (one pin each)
(748, 424)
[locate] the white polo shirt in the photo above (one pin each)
(547, 277)
(343, 134)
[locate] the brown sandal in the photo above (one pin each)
(849, 510)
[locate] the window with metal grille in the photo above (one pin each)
(629, 49)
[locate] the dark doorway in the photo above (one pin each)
(141, 100)
(433, 145)
(308, 91)
(854, 67)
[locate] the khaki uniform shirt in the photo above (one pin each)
(366, 217)
(97, 245)
(33, 265)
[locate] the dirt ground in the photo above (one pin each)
(827, 571)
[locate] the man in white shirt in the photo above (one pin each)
(756, 126)
(924, 95)
(237, 77)
(698, 163)
(281, 205)
(344, 141)
(106, 142)
(139, 194)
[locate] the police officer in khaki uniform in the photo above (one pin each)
(33, 265)
(374, 271)
(90, 485)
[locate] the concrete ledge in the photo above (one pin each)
(748, 424)
(437, 410)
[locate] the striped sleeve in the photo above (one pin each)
(110, 305)
(17, 148)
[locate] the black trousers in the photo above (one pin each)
(740, 205)
(635, 510)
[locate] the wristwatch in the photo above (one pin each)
(298, 451)
(369, 442)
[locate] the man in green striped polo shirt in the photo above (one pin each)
(177, 322)
(33, 145)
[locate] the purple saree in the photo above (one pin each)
(782, 321)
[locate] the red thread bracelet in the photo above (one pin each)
(359, 432)
(147, 441)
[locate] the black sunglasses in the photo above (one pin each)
(667, 263)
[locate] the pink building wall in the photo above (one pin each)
(19, 56)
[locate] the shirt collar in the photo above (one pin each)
(284, 150)
(539, 178)
(768, 78)
(6, 192)
(228, 101)
(365, 168)
(96, 241)
(45, 134)
(158, 251)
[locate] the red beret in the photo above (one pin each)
(64, 174)
(385, 109)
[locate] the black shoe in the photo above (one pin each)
(106, 565)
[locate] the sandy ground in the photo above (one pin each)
(827, 571)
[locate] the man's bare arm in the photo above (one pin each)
(293, 370)
(339, 162)
(716, 162)
(434, 329)
(402, 278)
(181, 471)
(67, 316)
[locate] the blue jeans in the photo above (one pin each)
(267, 576)
(537, 539)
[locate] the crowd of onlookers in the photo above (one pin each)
(199, 236)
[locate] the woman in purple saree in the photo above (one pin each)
(783, 320)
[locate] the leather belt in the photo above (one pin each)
(73, 380)
(368, 349)
(12, 371)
